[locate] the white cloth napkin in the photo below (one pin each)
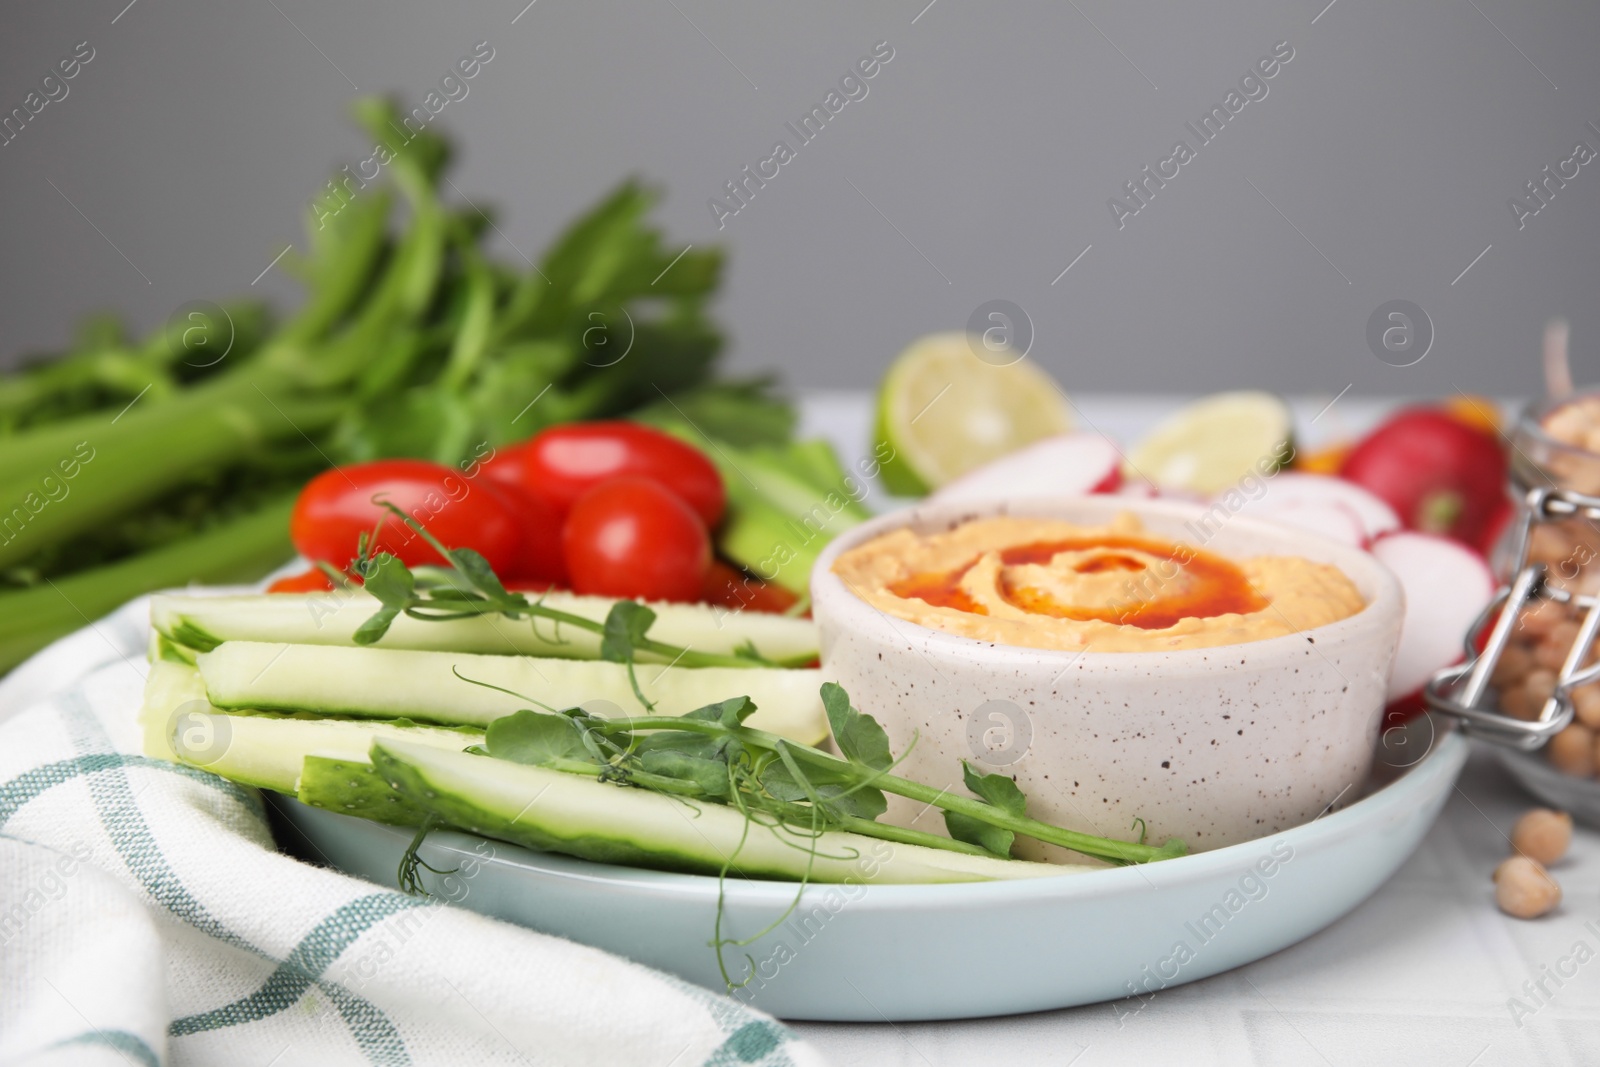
(146, 918)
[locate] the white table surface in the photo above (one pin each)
(1423, 973)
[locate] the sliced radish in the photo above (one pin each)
(1446, 584)
(1138, 490)
(1071, 464)
(1330, 520)
(1313, 497)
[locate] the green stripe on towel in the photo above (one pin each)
(131, 1046)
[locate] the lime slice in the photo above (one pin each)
(1212, 443)
(943, 411)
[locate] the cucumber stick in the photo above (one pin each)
(354, 787)
(170, 689)
(267, 750)
(384, 683)
(263, 749)
(552, 811)
(203, 623)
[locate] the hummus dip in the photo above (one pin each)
(1052, 584)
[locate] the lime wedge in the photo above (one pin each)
(943, 411)
(1209, 445)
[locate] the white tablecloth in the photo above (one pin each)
(1423, 973)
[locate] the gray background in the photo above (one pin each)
(981, 160)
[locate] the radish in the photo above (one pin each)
(1438, 474)
(1071, 464)
(1331, 520)
(1329, 506)
(1447, 585)
(1137, 490)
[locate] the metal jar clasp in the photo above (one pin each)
(1460, 691)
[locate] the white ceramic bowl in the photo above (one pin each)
(1214, 745)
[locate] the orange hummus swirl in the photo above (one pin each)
(1052, 584)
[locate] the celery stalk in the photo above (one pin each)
(136, 460)
(240, 550)
(784, 505)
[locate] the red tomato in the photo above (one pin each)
(733, 588)
(539, 562)
(633, 537)
(311, 581)
(336, 507)
(562, 463)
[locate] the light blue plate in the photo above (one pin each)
(875, 953)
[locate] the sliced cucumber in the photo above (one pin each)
(385, 683)
(202, 623)
(556, 812)
(354, 787)
(261, 748)
(1216, 442)
(267, 750)
(171, 688)
(163, 647)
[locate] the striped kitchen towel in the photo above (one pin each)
(146, 918)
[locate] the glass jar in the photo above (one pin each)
(1554, 446)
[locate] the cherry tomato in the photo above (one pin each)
(539, 562)
(733, 588)
(562, 463)
(336, 507)
(311, 581)
(633, 537)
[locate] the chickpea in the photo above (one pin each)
(1542, 835)
(1572, 751)
(1537, 620)
(1549, 543)
(1587, 581)
(1524, 889)
(1540, 684)
(1551, 653)
(1526, 699)
(1520, 703)
(1515, 662)
(1571, 423)
(1586, 701)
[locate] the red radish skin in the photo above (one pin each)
(1110, 483)
(1446, 585)
(1438, 474)
(1067, 465)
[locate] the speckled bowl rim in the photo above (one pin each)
(831, 597)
